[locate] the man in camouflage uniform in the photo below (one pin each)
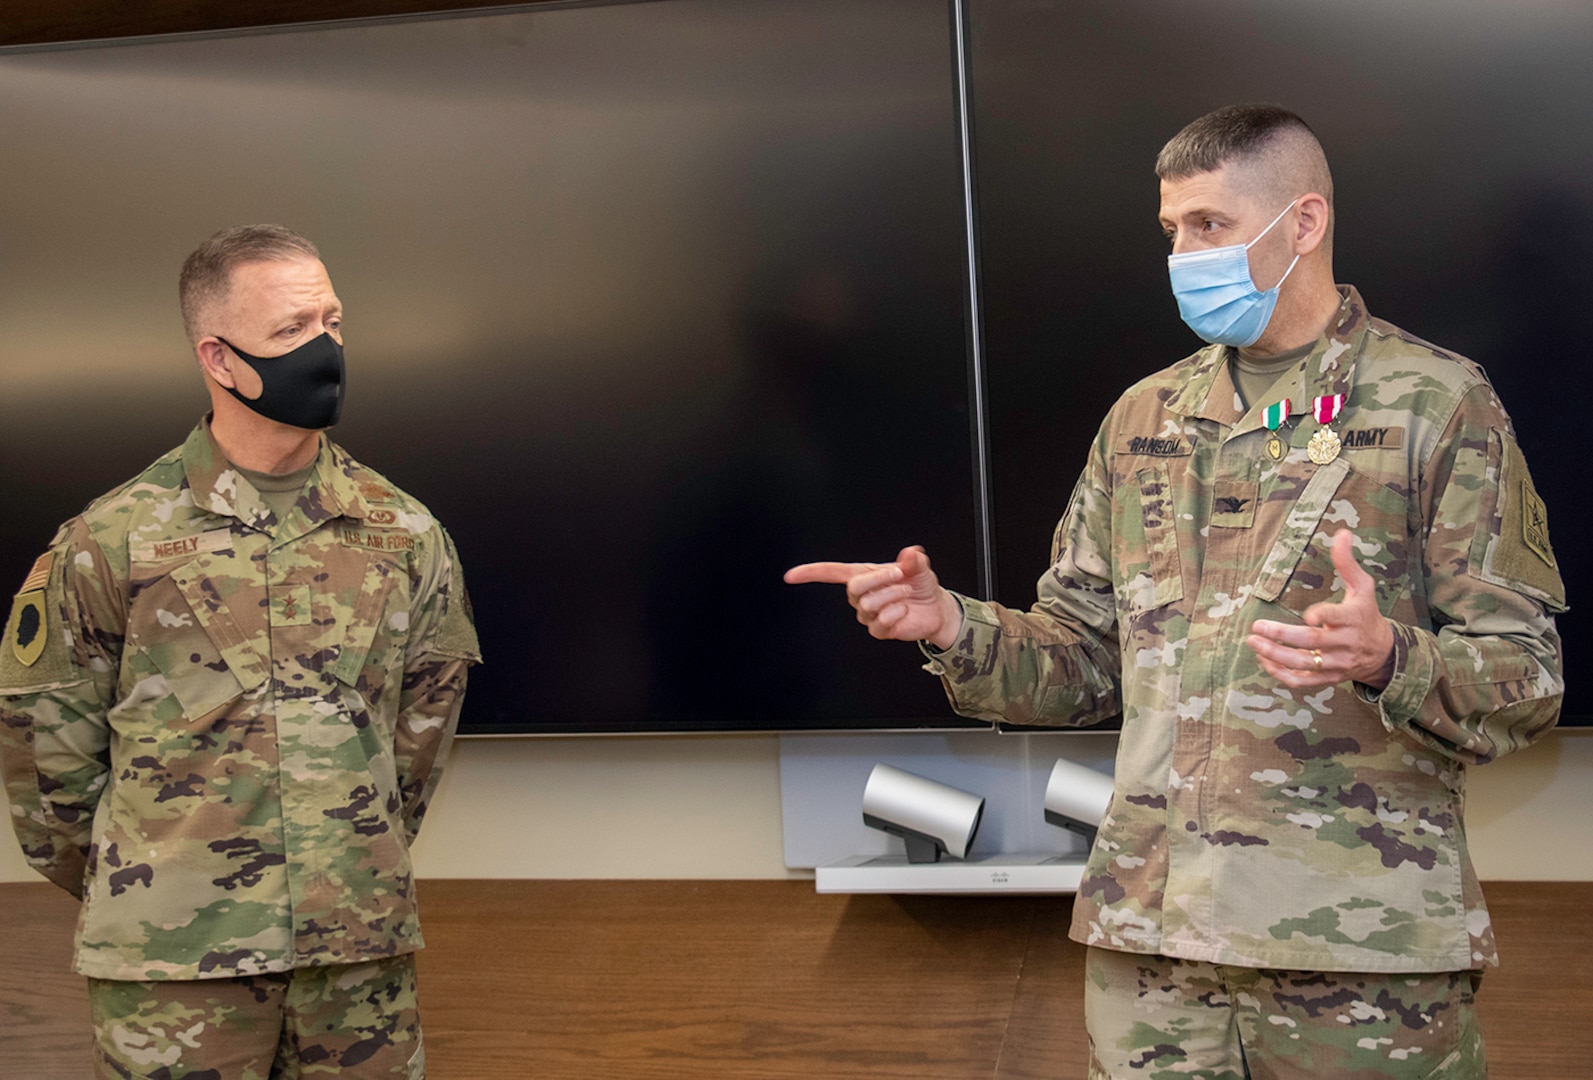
(1312, 612)
(226, 694)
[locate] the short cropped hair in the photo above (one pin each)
(1233, 131)
(1280, 154)
(206, 276)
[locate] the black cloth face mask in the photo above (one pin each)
(303, 388)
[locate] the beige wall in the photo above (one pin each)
(709, 807)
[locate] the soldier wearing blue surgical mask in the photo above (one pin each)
(1307, 567)
(1245, 275)
(1217, 295)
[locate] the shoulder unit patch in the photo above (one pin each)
(27, 630)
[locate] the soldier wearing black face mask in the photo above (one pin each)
(303, 388)
(228, 689)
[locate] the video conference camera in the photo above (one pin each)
(1076, 798)
(931, 817)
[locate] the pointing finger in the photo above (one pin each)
(831, 573)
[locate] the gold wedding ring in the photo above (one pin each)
(1316, 659)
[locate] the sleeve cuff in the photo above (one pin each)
(1414, 664)
(976, 636)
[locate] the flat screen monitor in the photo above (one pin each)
(647, 302)
(650, 300)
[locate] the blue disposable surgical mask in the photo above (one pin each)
(1217, 296)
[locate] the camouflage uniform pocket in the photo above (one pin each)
(1149, 572)
(1290, 550)
(180, 637)
(373, 627)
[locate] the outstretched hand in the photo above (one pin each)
(1349, 639)
(897, 601)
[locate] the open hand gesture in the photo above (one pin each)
(1349, 639)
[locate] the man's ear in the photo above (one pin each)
(1313, 228)
(215, 359)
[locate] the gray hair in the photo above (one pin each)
(206, 276)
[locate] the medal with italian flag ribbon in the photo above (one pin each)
(1273, 417)
(1324, 445)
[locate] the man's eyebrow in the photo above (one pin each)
(307, 313)
(1195, 213)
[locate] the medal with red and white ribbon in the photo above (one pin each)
(1324, 445)
(1273, 417)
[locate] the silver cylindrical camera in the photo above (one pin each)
(929, 816)
(1076, 798)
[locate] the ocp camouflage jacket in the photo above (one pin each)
(1253, 824)
(221, 730)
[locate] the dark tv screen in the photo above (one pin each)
(647, 302)
(651, 300)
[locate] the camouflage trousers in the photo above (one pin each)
(1157, 1018)
(349, 1020)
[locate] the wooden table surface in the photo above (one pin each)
(768, 980)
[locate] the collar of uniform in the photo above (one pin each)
(333, 488)
(1208, 392)
(1330, 367)
(218, 487)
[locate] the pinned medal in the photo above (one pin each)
(1324, 445)
(1273, 417)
